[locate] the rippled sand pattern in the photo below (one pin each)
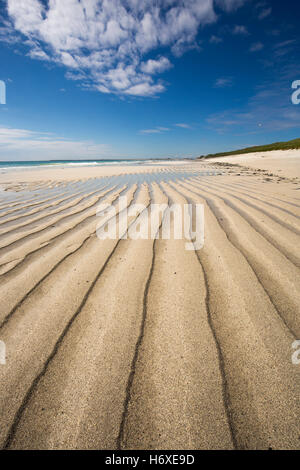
(141, 344)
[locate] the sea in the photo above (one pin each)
(5, 165)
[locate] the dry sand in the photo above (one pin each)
(280, 162)
(141, 344)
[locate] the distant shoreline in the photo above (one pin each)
(93, 161)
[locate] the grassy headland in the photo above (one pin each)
(291, 144)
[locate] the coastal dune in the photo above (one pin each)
(143, 344)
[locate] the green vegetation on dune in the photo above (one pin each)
(291, 144)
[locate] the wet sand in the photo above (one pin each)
(142, 344)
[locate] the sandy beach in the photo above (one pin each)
(143, 344)
(280, 162)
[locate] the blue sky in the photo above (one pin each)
(146, 78)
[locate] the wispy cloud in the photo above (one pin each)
(27, 144)
(284, 47)
(269, 109)
(257, 46)
(264, 13)
(162, 130)
(229, 5)
(286, 43)
(102, 43)
(240, 29)
(223, 82)
(7, 34)
(183, 125)
(155, 130)
(215, 39)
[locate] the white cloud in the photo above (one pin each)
(38, 54)
(102, 42)
(27, 15)
(145, 89)
(156, 66)
(25, 144)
